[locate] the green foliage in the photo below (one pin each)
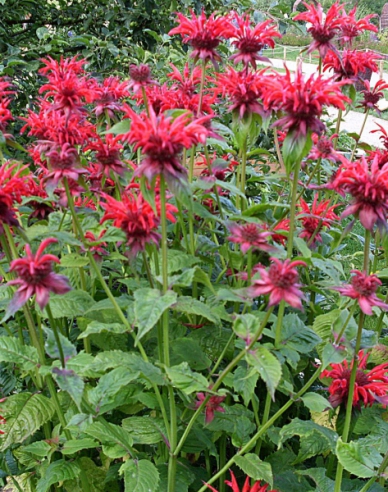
(140, 476)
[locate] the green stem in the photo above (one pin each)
(361, 131)
(337, 128)
(201, 87)
(267, 409)
(290, 242)
(264, 428)
(222, 461)
(278, 151)
(351, 311)
(54, 327)
(145, 100)
(222, 376)
(243, 171)
(352, 380)
(279, 323)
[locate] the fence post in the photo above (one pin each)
(381, 68)
(310, 60)
(285, 53)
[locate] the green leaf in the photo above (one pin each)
(51, 345)
(252, 466)
(267, 365)
(140, 476)
(74, 261)
(301, 245)
(295, 147)
(332, 355)
(108, 433)
(316, 402)
(213, 341)
(318, 475)
(109, 385)
(25, 413)
(184, 478)
(176, 261)
(145, 430)
(11, 350)
(188, 381)
(187, 350)
(297, 336)
(94, 475)
(150, 304)
(244, 382)
(69, 381)
(246, 325)
(72, 447)
(97, 327)
(58, 471)
(24, 481)
(314, 439)
(72, 304)
(38, 448)
(42, 32)
(189, 305)
(120, 128)
(357, 459)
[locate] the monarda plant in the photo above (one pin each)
(184, 309)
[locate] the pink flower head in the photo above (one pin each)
(257, 487)
(250, 236)
(162, 138)
(212, 405)
(140, 77)
(320, 215)
(351, 27)
(370, 386)
(363, 287)
(351, 64)
(368, 185)
(249, 42)
(281, 282)
(12, 187)
(203, 34)
(323, 28)
(373, 96)
(244, 89)
(303, 100)
(323, 149)
(108, 154)
(36, 277)
(64, 162)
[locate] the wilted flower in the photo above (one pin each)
(323, 148)
(280, 281)
(373, 96)
(323, 27)
(140, 77)
(363, 287)
(320, 215)
(203, 34)
(64, 162)
(370, 386)
(368, 185)
(250, 236)
(35, 277)
(212, 405)
(303, 100)
(257, 487)
(249, 42)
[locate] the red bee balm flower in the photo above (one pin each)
(257, 487)
(351, 64)
(35, 276)
(162, 138)
(323, 27)
(303, 100)
(370, 386)
(280, 282)
(320, 215)
(368, 185)
(140, 77)
(212, 405)
(250, 41)
(323, 148)
(373, 96)
(203, 34)
(250, 236)
(351, 27)
(363, 287)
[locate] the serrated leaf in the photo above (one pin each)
(176, 261)
(359, 460)
(72, 447)
(25, 413)
(332, 355)
(244, 382)
(150, 304)
(74, 260)
(38, 448)
(267, 365)
(120, 128)
(186, 350)
(318, 475)
(69, 381)
(140, 476)
(188, 381)
(316, 402)
(72, 304)
(189, 305)
(11, 350)
(97, 327)
(252, 466)
(145, 430)
(213, 341)
(58, 471)
(51, 345)
(184, 478)
(108, 433)
(109, 385)
(246, 325)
